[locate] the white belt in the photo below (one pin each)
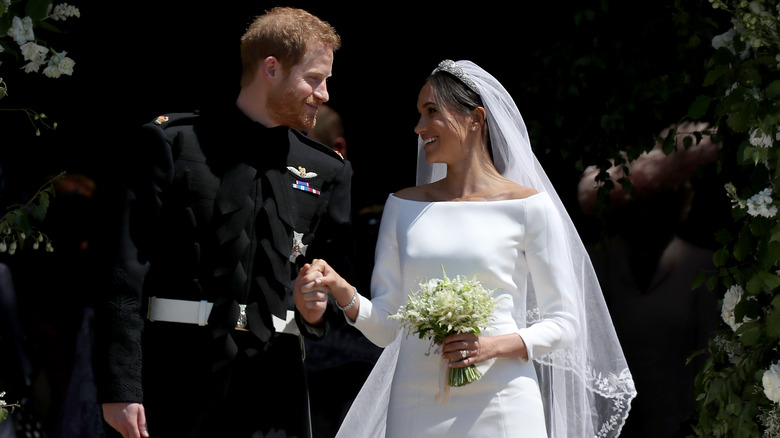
(197, 312)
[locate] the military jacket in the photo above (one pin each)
(218, 208)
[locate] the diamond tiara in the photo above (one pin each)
(454, 69)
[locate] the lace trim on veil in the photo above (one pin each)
(615, 389)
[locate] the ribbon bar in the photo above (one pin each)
(303, 185)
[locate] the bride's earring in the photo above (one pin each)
(473, 127)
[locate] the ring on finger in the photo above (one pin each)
(462, 354)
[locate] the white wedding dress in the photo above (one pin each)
(506, 243)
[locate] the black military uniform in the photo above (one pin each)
(220, 215)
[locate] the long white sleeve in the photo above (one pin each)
(386, 286)
(545, 250)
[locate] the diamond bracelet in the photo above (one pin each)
(351, 302)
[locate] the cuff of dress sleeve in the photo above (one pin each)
(528, 346)
(363, 311)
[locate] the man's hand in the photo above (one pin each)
(310, 297)
(128, 419)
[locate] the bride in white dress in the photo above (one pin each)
(552, 365)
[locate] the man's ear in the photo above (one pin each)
(270, 69)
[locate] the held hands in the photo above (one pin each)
(311, 288)
(309, 295)
(128, 419)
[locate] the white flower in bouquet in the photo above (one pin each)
(445, 306)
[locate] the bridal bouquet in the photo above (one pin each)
(445, 306)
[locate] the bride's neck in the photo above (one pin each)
(472, 184)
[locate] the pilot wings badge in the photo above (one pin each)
(301, 172)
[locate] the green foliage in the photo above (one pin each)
(18, 227)
(5, 408)
(35, 9)
(742, 83)
(601, 97)
(628, 74)
(31, 48)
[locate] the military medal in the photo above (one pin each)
(303, 185)
(298, 248)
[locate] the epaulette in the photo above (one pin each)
(316, 145)
(173, 119)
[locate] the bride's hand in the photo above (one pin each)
(331, 281)
(339, 288)
(464, 349)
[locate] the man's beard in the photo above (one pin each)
(287, 110)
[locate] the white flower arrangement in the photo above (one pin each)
(15, 225)
(18, 21)
(23, 33)
(730, 401)
(446, 306)
(760, 204)
(770, 419)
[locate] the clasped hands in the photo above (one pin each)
(311, 288)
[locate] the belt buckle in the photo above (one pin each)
(241, 322)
